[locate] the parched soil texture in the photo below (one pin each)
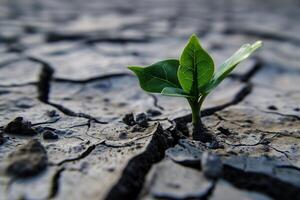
(74, 123)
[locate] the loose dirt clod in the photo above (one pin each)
(20, 126)
(29, 160)
(142, 119)
(52, 113)
(272, 107)
(128, 119)
(224, 131)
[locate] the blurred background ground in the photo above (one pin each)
(82, 147)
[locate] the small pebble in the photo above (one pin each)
(49, 135)
(52, 113)
(20, 126)
(224, 131)
(272, 107)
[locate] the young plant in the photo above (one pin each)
(193, 76)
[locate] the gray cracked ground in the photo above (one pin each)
(63, 69)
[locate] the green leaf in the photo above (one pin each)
(196, 67)
(244, 52)
(157, 76)
(175, 92)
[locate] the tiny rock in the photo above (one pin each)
(20, 126)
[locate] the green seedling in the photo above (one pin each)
(193, 76)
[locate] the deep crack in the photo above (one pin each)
(55, 184)
(155, 101)
(92, 79)
(133, 176)
(86, 153)
(44, 86)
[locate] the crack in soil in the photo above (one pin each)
(55, 184)
(115, 144)
(71, 113)
(155, 101)
(90, 39)
(255, 181)
(280, 114)
(18, 85)
(84, 154)
(44, 85)
(257, 66)
(262, 35)
(261, 183)
(263, 141)
(133, 176)
(51, 121)
(92, 79)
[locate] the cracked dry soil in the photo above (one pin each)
(74, 123)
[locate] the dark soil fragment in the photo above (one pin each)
(49, 135)
(272, 107)
(142, 119)
(52, 113)
(224, 131)
(128, 119)
(29, 160)
(20, 126)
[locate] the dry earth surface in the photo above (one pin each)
(66, 100)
